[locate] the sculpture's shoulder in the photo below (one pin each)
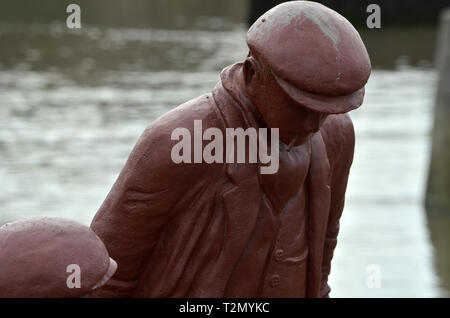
(157, 135)
(339, 137)
(151, 159)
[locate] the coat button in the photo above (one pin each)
(274, 281)
(278, 255)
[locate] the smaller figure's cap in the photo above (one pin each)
(39, 258)
(315, 54)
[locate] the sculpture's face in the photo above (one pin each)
(296, 123)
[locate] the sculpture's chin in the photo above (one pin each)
(109, 273)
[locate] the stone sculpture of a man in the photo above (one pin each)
(223, 228)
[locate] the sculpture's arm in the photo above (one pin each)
(141, 201)
(340, 140)
(150, 190)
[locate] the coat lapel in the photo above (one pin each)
(241, 202)
(241, 199)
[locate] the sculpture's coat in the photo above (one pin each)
(184, 230)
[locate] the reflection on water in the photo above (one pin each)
(414, 45)
(163, 14)
(384, 223)
(70, 115)
(73, 103)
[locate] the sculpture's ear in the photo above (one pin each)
(249, 70)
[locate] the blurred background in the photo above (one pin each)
(73, 102)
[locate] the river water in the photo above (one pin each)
(73, 103)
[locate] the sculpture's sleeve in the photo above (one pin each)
(340, 140)
(140, 202)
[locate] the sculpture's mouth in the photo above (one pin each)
(109, 273)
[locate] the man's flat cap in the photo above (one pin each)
(37, 258)
(315, 54)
